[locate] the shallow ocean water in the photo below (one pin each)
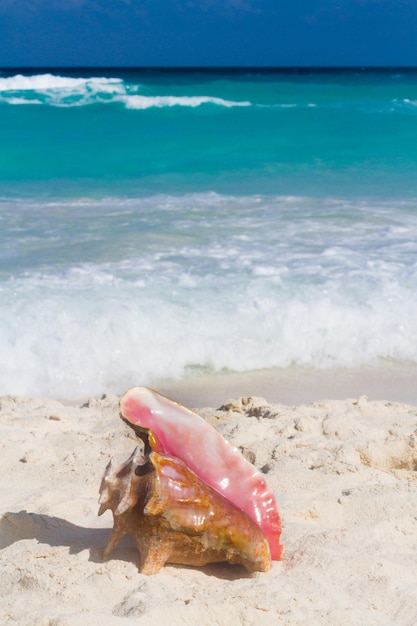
(168, 225)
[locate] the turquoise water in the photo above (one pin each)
(145, 133)
(158, 224)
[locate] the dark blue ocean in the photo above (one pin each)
(163, 225)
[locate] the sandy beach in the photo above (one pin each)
(344, 475)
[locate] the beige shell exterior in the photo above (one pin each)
(174, 517)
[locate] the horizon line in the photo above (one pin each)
(277, 68)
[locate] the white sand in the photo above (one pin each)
(345, 477)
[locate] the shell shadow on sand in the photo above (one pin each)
(53, 531)
(58, 532)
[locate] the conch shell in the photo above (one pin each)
(190, 498)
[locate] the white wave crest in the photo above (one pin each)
(46, 82)
(53, 90)
(409, 102)
(146, 102)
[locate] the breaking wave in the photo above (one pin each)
(61, 91)
(66, 91)
(100, 294)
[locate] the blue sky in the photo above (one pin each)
(208, 32)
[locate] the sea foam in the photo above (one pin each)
(108, 294)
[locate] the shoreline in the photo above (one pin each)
(389, 382)
(293, 386)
